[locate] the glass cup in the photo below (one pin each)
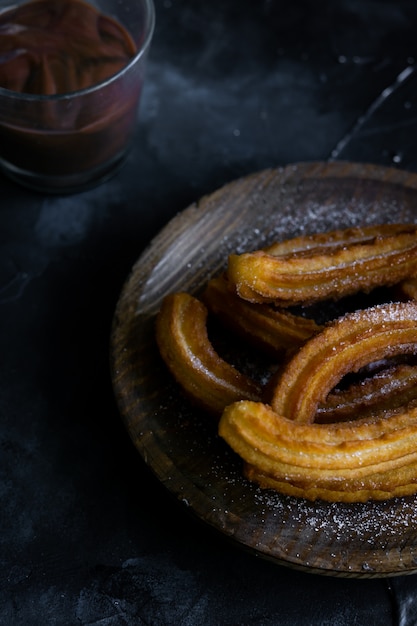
(67, 142)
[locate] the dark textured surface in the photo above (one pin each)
(87, 535)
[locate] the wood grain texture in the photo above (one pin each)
(179, 443)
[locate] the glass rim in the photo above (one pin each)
(148, 33)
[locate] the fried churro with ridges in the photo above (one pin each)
(351, 461)
(345, 345)
(370, 458)
(381, 394)
(183, 342)
(262, 325)
(380, 486)
(326, 266)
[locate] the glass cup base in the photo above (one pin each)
(65, 184)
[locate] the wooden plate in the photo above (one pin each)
(179, 443)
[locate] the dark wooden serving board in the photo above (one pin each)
(179, 443)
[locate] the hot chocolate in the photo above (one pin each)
(58, 46)
(69, 90)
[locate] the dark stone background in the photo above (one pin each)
(87, 535)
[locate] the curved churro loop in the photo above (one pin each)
(383, 393)
(263, 325)
(184, 345)
(345, 345)
(370, 458)
(352, 461)
(326, 266)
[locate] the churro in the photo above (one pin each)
(380, 394)
(326, 266)
(274, 330)
(206, 378)
(372, 457)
